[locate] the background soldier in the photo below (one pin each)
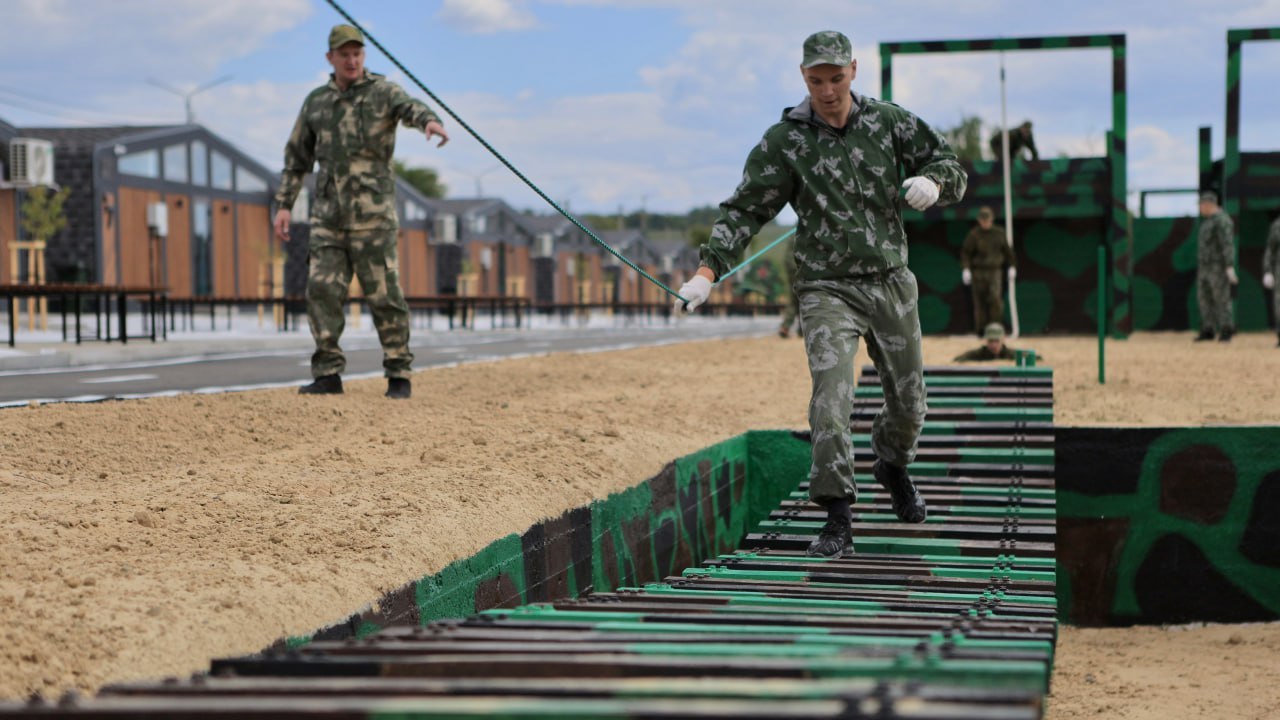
(839, 159)
(349, 126)
(1020, 138)
(992, 348)
(985, 251)
(1271, 269)
(1215, 270)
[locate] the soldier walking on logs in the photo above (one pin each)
(840, 160)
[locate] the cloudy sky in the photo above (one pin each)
(624, 103)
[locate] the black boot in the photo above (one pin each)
(323, 385)
(1227, 332)
(907, 503)
(1204, 335)
(399, 388)
(835, 539)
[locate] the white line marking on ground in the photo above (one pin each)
(119, 379)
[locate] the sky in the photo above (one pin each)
(630, 104)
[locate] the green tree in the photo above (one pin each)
(966, 138)
(426, 180)
(42, 213)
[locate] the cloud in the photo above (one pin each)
(486, 17)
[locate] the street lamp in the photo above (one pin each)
(186, 96)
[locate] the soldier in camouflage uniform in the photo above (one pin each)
(839, 159)
(1020, 138)
(792, 311)
(1271, 270)
(349, 127)
(1215, 270)
(985, 252)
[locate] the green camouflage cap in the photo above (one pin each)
(342, 34)
(827, 48)
(994, 331)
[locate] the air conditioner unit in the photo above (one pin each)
(30, 162)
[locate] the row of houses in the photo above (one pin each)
(179, 207)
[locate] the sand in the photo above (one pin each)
(140, 539)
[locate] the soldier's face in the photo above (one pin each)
(984, 222)
(347, 62)
(995, 345)
(1207, 209)
(829, 88)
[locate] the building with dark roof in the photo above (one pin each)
(174, 205)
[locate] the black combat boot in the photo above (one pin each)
(1227, 332)
(323, 385)
(907, 503)
(1205, 334)
(399, 388)
(835, 539)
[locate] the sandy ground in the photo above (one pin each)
(140, 539)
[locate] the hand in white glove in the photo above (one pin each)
(1268, 280)
(1231, 276)
(695, 292)
(921, 192)
(966, 277)
(1013, 274)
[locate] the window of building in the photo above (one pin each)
(202, 247)
(199, 164)
(248, 182)
(478, 224)
(175, 164)
(143, 164)
(220, 165)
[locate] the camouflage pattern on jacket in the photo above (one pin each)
(1215, 249)
(986, 249)
(352, 134)
(1271, 264)
(843, 184)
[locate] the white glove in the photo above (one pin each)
(1231, 276)
(1013, 274)
(695, 292)
(966, 277)
(1268, 280)
(921, 192)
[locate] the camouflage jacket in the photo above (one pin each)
(843, 185)
(352, 134)
(1216, 246)
(1271, 256)
(986, 250)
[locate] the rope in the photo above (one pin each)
(749, 260)
(497, 154)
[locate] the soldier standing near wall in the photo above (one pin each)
(1271, 269)
(349, 126)
(984, 253)
(1215, 270)
(839, 159)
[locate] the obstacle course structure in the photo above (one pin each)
(1063, 209)
(950, 619)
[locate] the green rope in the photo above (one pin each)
(749, 260)
(497, 154)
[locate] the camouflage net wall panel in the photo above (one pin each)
(1168, 525)
(700, 505)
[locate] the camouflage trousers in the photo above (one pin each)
(371, 256)
(881, 308)
(988, 300)
(1213, 295)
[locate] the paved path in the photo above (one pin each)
(142, 369)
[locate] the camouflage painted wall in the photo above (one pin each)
(698, 506)
(1060, 218)
(1168, 525)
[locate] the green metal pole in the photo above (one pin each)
(1102, 315)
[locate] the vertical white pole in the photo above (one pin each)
(1008, 195)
